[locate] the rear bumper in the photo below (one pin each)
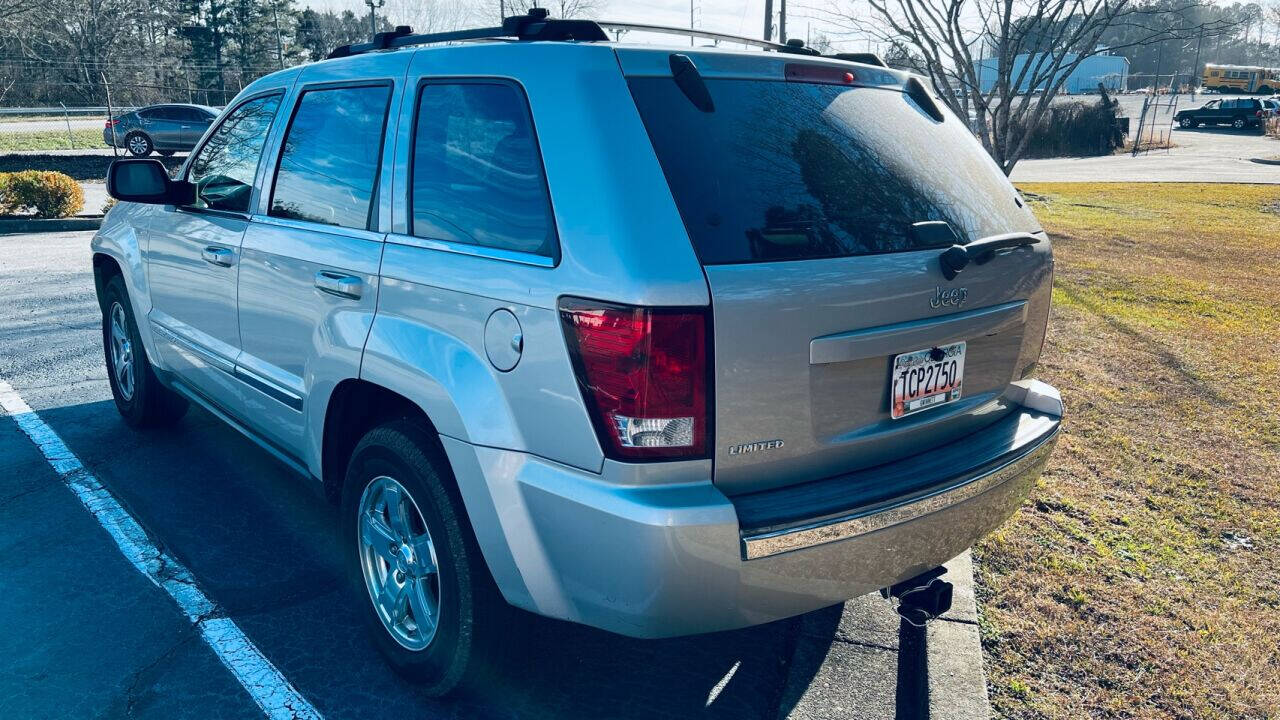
(618, 552)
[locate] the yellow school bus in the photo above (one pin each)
(1241, 78)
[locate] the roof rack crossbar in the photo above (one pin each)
(534, 26)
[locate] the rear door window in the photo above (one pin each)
(794, 170)
(331, 154)
(477, 172)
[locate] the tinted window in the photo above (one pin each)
(189, 114)
(329, 164)
(477, 174)
(789, 170)
(224, 168)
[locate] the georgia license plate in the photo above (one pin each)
(926, 378)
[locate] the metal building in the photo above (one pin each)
(1112, 71)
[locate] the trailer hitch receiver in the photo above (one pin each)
(921, 598)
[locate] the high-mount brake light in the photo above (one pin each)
(818, 74)
(644, 375)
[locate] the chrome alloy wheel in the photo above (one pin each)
(121, 351)
(398, 561)
(138, 145)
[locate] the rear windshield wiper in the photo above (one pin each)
(955, 258)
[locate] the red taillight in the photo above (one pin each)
(644, 375)
(112, 123)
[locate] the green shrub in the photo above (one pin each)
(42, 193)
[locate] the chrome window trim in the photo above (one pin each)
(481, 251)
(192, 209)
(897, 511)
(310, 226)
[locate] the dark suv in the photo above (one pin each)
(1239, 113)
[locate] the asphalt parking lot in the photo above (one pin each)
(87, 635)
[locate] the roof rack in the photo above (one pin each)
(690, 32)
(538, 25)
(534, 26)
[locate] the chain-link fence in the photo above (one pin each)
(52, 107)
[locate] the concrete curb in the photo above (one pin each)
(957, 679)
(846, 661)
(33, 225)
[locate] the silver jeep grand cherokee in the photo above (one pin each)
(662, 341)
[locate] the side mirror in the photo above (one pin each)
(147, 181)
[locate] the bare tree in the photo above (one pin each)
(1001, 63)
(1272, 14)
(428, 16)
(558, 8)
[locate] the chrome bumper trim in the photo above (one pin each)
(898, 511)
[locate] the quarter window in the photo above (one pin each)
(329, 164)
(224, 168)
(477, 172)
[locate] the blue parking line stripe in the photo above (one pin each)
(264, 683)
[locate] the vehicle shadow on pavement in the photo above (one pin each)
(264, 545)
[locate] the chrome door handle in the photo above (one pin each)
(345, 286)
(217, 256)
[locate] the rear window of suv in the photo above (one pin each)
(794, 171)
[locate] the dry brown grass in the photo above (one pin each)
(1142, 579)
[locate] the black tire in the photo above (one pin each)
(1239, 123)
(476, 626)
(138, 144)
(147, 403)
(1186, 122)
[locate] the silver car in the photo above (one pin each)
(164, 129)
(659, 340)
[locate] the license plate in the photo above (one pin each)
(926, 378)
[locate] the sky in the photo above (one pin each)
(735, 17)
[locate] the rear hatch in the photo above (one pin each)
(803, 190)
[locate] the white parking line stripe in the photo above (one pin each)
(264, 683)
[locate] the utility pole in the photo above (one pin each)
(782, 22)
(768, 20)
(1155, 85)
(275, 10)
(1196, 74)
(691, 21)
(373, 14)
